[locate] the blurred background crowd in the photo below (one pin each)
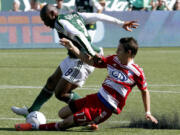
(108, 5)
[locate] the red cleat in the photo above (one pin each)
(23, 127)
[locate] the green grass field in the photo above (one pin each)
(24, 72)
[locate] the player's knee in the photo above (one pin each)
(61, 113)
(65, 112)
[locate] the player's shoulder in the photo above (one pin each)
(58, 25)
(68, 15)
(136, 69)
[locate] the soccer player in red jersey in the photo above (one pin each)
(123, 75)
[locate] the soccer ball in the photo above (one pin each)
(36, 118)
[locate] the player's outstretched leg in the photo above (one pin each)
(45, 94)
(44, 127)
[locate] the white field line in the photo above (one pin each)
(95, 88)
(64, 52)
(55, 120)
(86, 86)
(22, 119)
(32, 53)
(19, 87)
(164, 85)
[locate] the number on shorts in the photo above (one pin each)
(68, 72)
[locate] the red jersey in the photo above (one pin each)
(119, 82)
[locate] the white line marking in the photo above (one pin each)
(55, 120)
(32, 53)
(87, 86)
(19, 119)
(94, 88)
(19, 87)
(23, 119)
(165, 85)
(160, 91)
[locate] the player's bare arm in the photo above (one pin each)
(146, 102)
(84, 57)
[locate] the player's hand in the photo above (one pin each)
(151, 118)
(97, 59)
(130, 24)
(66, 43)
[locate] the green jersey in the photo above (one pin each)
(77, 21)
(72, 26)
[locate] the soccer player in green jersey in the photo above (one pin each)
(72, 72)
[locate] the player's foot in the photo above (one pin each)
(23, 127)
(93, 126)
(20, 111)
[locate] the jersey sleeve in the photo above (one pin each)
(94, 17)
(103, 63)
(141, 81)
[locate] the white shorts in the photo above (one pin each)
(75, 71)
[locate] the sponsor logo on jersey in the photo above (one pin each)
(117, 74)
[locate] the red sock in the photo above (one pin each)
(48, 126)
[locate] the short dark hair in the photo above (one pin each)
(43, 14)
(129, 43)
